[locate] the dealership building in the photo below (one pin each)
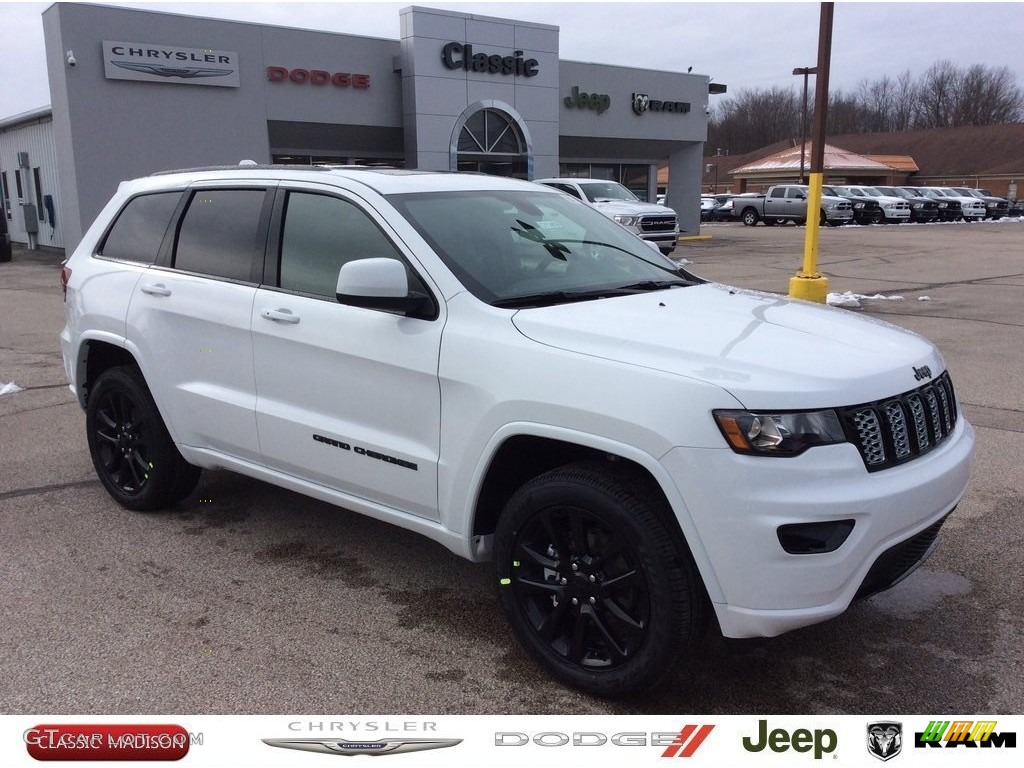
(134, 92)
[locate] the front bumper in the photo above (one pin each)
(843, 216)
(737, 503)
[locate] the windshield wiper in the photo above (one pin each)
(547, 298)
(657, 285)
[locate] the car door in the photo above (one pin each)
(191, 313)
(796, 203)
(348, 397)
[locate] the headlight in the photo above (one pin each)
(858, 205)
(627, 221)
(943, 205)
(779, 434)
(917, 206)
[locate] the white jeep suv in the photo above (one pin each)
(508, 372)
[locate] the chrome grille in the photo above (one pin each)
(870, 433)
(920, 423)
(891, 431)
(657, 223)
(898, 425)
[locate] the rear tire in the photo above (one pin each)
(132, 451)
(596, 580)
(750, 217)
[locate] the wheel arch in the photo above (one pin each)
(519, 453)
(97, 354)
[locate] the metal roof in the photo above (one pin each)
(836, 159)
(26, 117)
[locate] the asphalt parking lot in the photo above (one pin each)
(252, 599)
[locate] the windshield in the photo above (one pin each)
(871, 191)
(601, 191)
(527, 248)
(895, 192)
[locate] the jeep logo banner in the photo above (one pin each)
(599, 102)
(159, 63)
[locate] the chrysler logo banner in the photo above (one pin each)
(337, 746)
(158, 63)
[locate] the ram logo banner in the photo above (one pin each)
(641, 101)
(885, 739)
(159, 63)
(349, 748)
(965, 733)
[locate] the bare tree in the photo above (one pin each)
(904, 102)
(943, 96)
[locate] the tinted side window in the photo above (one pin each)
(567, 188)
(140, 227)
(321, 234)
(219, 232)
(779, 192)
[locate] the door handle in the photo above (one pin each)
(159, 289)
(280, 316)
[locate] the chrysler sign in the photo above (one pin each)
(158, 63)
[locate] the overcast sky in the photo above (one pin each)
(745, 45)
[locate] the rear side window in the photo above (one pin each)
(139, 228)
(218, 235)
(567, 188)
(321, 234)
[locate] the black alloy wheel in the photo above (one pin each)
(122, 439)
(594, 583)
(134, 455)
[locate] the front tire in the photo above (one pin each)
(132, 451)
(597, 586)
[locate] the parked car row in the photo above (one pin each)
(868, 205)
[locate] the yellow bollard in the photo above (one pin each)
(809, 284)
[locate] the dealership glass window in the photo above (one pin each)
(322, 233)
(139, 228)
(17, 182)
(635, 178)
(6, 193)
(218, 235)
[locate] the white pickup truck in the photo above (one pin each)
(501, 368)
(651, 222)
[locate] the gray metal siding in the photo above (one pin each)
(36, 138)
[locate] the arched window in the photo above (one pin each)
(492, 142)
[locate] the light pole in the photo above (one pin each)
(808, 283)
(805, 71)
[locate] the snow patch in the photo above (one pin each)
(10, 389)
(924, 298)
(850, 299)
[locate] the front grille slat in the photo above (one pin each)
(899, 429)
(657, 223)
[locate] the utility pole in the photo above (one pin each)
(805, 71)
(808, 283)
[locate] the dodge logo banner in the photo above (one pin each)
(159, 63)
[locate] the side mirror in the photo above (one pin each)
(380, 284)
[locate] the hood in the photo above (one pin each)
(632, 208)
(768, 351)
(833, 199)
